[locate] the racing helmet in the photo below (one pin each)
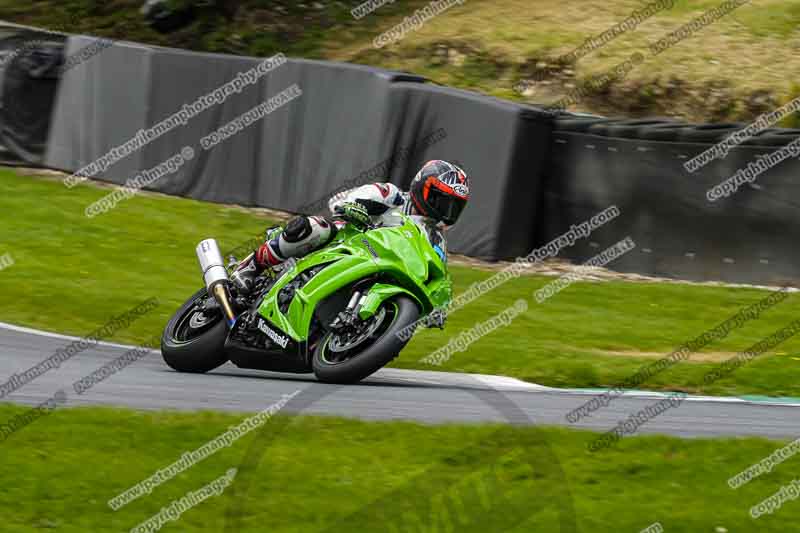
(440, 191)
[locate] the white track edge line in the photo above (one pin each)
(40, 333)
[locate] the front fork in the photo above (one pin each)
(348, 316)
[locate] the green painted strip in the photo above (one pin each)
(756, 398)
(770, 399)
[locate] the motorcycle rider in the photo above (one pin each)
(438, 193)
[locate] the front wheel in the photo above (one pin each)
(352, 355)
(194, 338)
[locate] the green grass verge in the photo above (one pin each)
(329, 474)
(71, 274)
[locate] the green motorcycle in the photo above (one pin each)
(342, 312)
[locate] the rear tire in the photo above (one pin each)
(376, 355)
(195, 354)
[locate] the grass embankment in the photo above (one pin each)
(72, 273)
(732, 69)
(327, 474)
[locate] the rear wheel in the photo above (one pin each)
(194, 338)
(351, 355)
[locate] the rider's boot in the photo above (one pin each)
(254, 264)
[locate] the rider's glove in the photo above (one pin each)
(355, 213)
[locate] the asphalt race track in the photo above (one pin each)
(431, 397)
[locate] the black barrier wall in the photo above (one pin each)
(746, 237)
(100, 104)
(30, 64)
(348, 125)
(502, 145)
(533, 177)
(300, 150)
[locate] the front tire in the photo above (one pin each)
(332, 365)
(194, 341)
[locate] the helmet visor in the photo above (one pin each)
(446, 205)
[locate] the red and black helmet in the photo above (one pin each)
(440, 190)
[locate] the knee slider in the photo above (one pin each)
(305, 234)
(297, 229)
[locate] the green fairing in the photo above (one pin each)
(377, 294)
(403, 256)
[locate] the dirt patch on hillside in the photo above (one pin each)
(703, 357)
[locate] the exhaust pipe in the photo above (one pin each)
(215, 276)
